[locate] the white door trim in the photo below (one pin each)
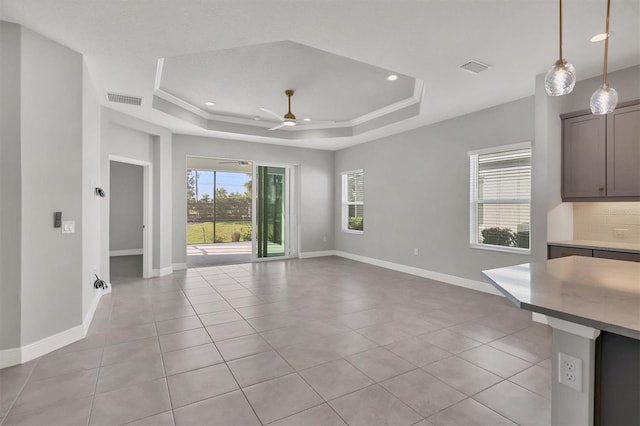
(147, 210)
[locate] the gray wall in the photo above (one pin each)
(417, 191)
(51, 145)
(316, 185)
(134, 139)
(125, 206)
(10, 208)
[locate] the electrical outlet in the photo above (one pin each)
(570, 371)
(415, 251)
(620, 233)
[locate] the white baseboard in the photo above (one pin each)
(179, 266)
(26, 353)
(51, 343)
(162, 271)
(9, 357)
(424, 273)
(15, 356)
(311, 254)
(88, 318)
(128, 252)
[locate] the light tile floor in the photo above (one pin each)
(323, 341)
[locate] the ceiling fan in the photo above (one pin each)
(289, 119)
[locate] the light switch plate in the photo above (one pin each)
(68, 226)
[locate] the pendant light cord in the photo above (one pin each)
(561, 30)
(606, 46)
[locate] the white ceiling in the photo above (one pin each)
(240, 80)
(428, 40)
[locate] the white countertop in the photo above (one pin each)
(599, 293)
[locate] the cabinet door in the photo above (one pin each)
(623, 152)
(584, 172)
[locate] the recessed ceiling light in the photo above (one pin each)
(392, 77)
(209, 103)
(306, 119)
(599, 37)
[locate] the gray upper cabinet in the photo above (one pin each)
(601, 155)
(584, 156)
(623, 152)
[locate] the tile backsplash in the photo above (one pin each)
(611, 222)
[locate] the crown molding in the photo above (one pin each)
(416, 98)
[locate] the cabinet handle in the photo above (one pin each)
(601, 189)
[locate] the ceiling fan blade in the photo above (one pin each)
(279, 126)
(268, 111)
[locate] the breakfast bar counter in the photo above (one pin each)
(593, 306)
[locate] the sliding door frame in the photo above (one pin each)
(292, 235)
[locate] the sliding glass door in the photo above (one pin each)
(273, 212)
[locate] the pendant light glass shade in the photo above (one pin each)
(560, 79)
(604, 100)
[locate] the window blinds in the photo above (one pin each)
(501, 198)
(353, 201)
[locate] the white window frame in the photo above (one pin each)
(346, 203)
(473, 198)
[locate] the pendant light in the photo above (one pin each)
(561, 77)
(605, 99)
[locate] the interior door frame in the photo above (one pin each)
(147, 210)
(292, 235)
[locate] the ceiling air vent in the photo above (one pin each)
(124, 99)
(474, 67)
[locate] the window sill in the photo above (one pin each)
(351, 231)
(502, 249)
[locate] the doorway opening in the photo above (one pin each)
(219, 211)
(129, 219)
(239, 211)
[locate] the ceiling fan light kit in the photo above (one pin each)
(289, 119)
(605, 98)
(561, 77)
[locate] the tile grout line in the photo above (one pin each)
(95, 389)
(24, 385)
(222, 357)
(166, 379)
(93, 396)
(236, 380)
(327, 303)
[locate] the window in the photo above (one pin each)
(501, 198)
(353, 201)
